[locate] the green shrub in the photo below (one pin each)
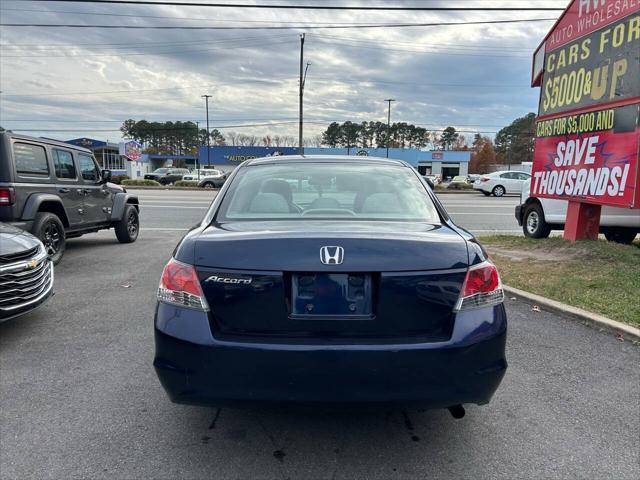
(186, 183)
(141, 183)
(119, 178)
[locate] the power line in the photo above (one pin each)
(272, 27)
(314, 7)
(130, 45)
(254, 43)
(315, 79)
(213, 20)
(434, 45)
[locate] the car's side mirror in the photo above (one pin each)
(106, 176)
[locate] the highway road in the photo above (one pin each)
(80, 399)
(180, 209)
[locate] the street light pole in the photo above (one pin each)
(301, 93)
(389, 100)
(206, 99)
(198, 143)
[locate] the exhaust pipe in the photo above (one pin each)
(456, 411)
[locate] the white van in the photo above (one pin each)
(538, 216)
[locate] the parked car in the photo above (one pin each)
(501, 183)
(166, 176)
(26, 273)
(214, 179)
(435, 179)
(57, 191)
(197, 175)
(358, 290)
(539, 216)
(472, 178)
(458, 182)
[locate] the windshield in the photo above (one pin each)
(327, 191)
(161, 170)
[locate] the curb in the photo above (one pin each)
(592, 319)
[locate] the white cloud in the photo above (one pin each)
(436, 74)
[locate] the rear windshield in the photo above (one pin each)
(327, 191)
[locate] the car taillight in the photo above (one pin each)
(482, 288)
(7, 196)
(484, 179)
(180, 286)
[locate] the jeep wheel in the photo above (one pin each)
(533, 224)
(621, 235)
(128, 227)
(498, 191)
(49, 229)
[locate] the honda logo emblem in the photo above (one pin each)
(332, 255)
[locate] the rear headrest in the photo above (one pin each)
(269, 203)
(381, 203)
(324, 202)
(281, 187)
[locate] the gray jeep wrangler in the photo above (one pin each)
(57, 191)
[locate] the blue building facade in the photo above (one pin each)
(437, 162)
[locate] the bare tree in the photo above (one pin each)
(233, 138)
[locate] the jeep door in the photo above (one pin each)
(68, 185)
(97, 197)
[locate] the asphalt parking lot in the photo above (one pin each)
(180, 209)
(79, 398)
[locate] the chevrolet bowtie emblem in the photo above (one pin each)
(32, 264)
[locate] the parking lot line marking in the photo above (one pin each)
(173, 206)
(163, 229)
(483, 214)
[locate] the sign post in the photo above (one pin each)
(587, 131)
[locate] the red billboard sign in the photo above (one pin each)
(591, 157)
(587, 131)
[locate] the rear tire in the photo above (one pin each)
(128, 227)
(498, 191)
(49, 229)
(534, 224)
(621, 235)
(208, 185)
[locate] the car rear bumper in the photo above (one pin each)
(196, 368)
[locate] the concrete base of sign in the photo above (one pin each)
(583, 221)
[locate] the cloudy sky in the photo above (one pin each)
(71, 82)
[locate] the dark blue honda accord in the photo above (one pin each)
(329, 281)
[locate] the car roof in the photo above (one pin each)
(47, 141)
(283, 159)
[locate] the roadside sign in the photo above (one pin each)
(130, 149)
(587, 131)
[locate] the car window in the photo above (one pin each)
(30, 159)
(524, 176)
(88, 168)
(63, 164)
(310, 191)
(507, 175)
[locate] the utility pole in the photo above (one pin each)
(198, 143)
(206, 100)
(389, 100)
(303, 78)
